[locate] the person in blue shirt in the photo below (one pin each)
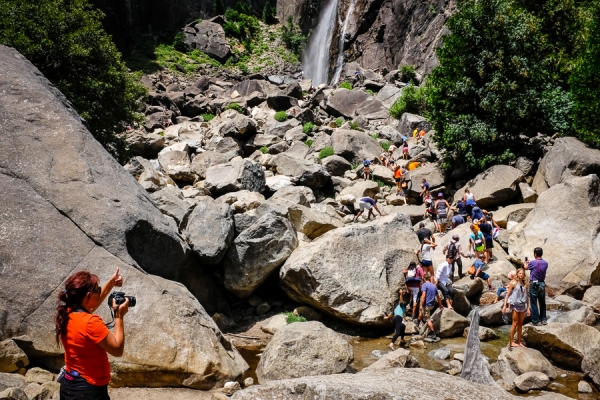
(488, 234)
(429, 298)
(479, 264)
(369, 204)
(398, 320)
(476, 213)
(537, 289)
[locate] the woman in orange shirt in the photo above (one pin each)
(398, 177)
(85, 337)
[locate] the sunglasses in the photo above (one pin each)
(96, 290)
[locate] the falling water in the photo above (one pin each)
(316, 58)
(340, 59)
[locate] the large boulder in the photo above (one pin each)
(342, 275)
(521, 360)
(237, 125)
(388, 95)
(583, 314)
(344, 102)
(238, 174)
(568, 158)
(301, 195)
(59, 159)
(301, 172)
(203, 161)
(512, 213)
(448, 323)
(312, 222)
(242, 201)
(171, 202)
(336, 165)
(399, 358)
(176, 163)
(568, 243)
(392, 383)
(209, 230)
(591, 365)
(355, 146)
(11, 381)
(496, 186)
(12, 358)
(432, 172)
(304, 349)
(257, 252)
(531, 380)
(209, 38)
(564, 343)
(592, 297)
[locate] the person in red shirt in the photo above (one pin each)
(85, 337)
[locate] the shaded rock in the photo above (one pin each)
(592, 297)
(399, 358)
(565, 344)
(11, 381)
(307, 312)
(525, 165)
(13, 394)
(448, 323)
(209, 38)
(531, 380)
(274, 323)
(207, 159)
(303, 349)
(257, 252)
(281, 102)
(567, 244)
(170, 202)
(209, 230)
(12, 358)
(237, 125)
(301, 195)
(336, 165)
(373, 384)
(527, 193)
(494, 187)
(354, 146)
(568, 158)
(238, 174)
(301, 172)
(485, 334)
(340, 275)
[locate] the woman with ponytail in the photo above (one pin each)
(85, 337)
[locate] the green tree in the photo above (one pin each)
(494, 86)
(585, 84)
(64, 39)
(292, 36)
(269, 13)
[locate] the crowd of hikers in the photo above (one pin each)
(428, 288)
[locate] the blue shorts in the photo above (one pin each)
(483, 276)
(426, 263)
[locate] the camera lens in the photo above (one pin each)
(132, 301)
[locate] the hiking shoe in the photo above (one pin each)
(391, 346)
(544, 322)
(536, 323)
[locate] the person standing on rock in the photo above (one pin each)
(517, 298)
(398, 178)
(537, 291)
(427, 246)
(453, 250)
(441, 210)
(398, 320)
(413, 277)
(442, 281)
(429, 297)
(424, 233)
(425, 187)
(85, 337)
(405, 155)
(469, 201)
(476, 241)
(368, 204)
(367, 169)
(487, 230)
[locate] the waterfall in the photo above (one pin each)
(339, 64)
(316, 57)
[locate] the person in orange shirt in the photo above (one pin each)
(413, 165)
(398, 177)
(85, 337)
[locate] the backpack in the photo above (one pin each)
(366, 163)
(452, 250)
(413, 275)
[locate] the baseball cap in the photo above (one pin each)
(440, 194)
(455, 237)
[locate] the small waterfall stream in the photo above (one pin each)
(339, 64)
(316, 58)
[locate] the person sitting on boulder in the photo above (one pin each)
(477, 269)
(383, 159)
(429, 297)
(367, 203)
(367, 169)
(398, 320)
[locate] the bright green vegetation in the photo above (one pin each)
(269, 13)
(408, 74)
(412, 100)
(381, 184)
(207, 117)
(66, 42)
(355, 166)
(386, 145)
(372, 93)
(236, 107)
(292, 36)
(354, 126)
(375, 136)
(241, 23)
(326, 152)
(264, 149)
(291, 318)
(339, 121)
(309, 142)
(508, 70)
(308, 127)
(281, 116)
(346, 85)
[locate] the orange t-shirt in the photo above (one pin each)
(82, 352)
(398, 173)
(422, 133)
(413, 165)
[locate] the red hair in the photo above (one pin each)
(77, 287)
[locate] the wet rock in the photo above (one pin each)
(584, 315)
(239, 174)
(448, 323)
(12, 358)
(494, 187)
(565, 344)
(531, 380)
(341, 275)
(210, 231)
(303, 349)
(257, 252)
(440, 354)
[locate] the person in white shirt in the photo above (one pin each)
(442, 281)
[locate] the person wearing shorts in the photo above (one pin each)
(367, 203)
(488, 231)
(429, 297)
(442, 281)
(427, 246)
(413, 277)
(479, 264)
(441, 210)
(476, 241)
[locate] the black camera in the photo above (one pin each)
(119, 298)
